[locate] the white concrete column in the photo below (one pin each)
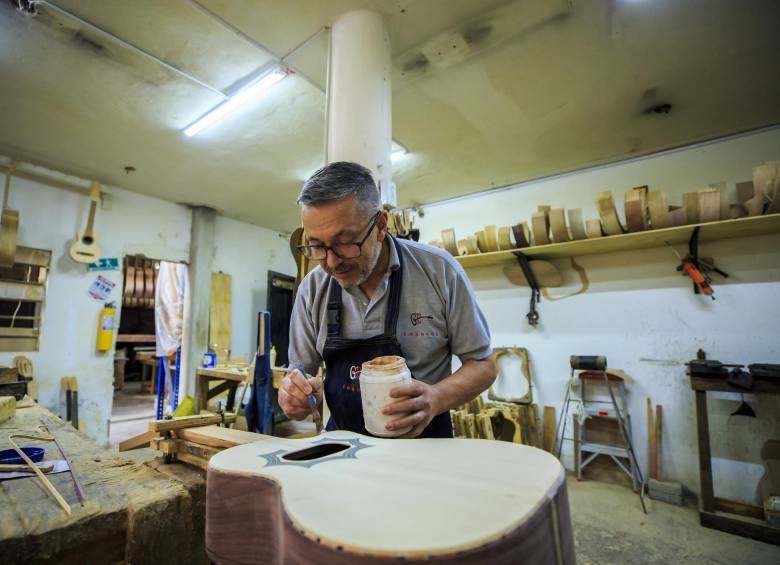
(195, 340)
(359, 126)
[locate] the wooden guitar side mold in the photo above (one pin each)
(382, 500)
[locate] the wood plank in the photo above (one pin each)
(657, 433)
(744, 191)
(220, 315)
(18, 344)
(705, 456)
(522, 235)
(736, 507)
(678, 217)
(136, 442)
(691, 205)
(20, 332)
(635, 216)
(135, 338)
(540, 228)
(216, 436)
(725, 229)
(548, 438)
(189, 422)
(32, 256)
(16, 290)
(558, 229)
(651, 442)
(709, 205)
(593, 229)
(576, 225)
(658, 209)
(605, 204)
(720, 384)
(740, 527)
(7, 408)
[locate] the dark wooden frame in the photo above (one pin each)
(720, 513)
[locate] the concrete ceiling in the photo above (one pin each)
(530, 88)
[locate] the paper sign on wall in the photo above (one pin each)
(105, 264)
(101, 288)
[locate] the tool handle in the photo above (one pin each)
(697, 277)
(588, 362)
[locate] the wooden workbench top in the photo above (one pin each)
(133, 512)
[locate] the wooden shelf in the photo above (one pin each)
(135, 338)
(724, 229)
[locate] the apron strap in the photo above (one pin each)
(394, 298)
(334, 309)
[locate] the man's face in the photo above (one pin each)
(341, 221)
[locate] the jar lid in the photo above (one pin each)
(385, 364)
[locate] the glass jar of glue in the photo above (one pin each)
(377, 378)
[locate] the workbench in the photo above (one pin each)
(719, 513)
(230, 378)
(134, 512)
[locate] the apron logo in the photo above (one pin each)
(417, 318)
(354, 372)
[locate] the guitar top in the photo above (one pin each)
(348, 498)
(10, 226)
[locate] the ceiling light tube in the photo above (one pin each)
(237, 100)
(397, 151)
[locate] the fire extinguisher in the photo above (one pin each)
(105, 334)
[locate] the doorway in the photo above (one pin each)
(279, 301)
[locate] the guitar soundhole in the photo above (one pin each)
(316, 451)
(87, 240)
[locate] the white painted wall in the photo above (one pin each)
(640, 313)
(128, 224)
(247, 253)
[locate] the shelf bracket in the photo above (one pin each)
(533, 315)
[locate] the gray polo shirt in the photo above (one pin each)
(438, 317)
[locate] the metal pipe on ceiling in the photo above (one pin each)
(130, 46)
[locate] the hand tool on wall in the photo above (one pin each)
(533, 315)
(700, 282)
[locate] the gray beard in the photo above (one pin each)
(364, 274)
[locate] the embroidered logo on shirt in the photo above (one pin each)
(417, 318)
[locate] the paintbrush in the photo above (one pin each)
(315, 413)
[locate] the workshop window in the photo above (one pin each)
(22, 291)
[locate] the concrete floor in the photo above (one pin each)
(609, 527)
(131, 413)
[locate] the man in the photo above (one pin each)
(375, 295)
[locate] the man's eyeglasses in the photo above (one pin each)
(340, 250)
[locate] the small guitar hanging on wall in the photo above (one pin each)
(85, 249)
(10, 225)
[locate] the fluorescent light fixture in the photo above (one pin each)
(243, 96)
(397, 151)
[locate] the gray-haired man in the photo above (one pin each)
(376, 295)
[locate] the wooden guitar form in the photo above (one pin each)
(129, 290)
(10, 227)
(347, 498)
(85, 249)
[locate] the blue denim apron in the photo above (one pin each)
(344, 357)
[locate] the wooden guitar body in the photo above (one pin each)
(10, 227)
(346, 498)
(8, 233)
(85, 248)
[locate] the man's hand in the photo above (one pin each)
(294, 394)
(417, 398)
